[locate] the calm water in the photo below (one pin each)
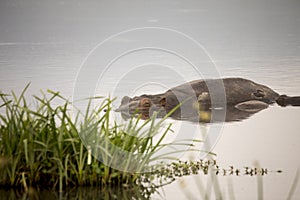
(48, 43)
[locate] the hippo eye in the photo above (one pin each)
(163, 102)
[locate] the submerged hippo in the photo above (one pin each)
(239, 97)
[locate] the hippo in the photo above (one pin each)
(195, 100)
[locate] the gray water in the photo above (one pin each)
(50, 44)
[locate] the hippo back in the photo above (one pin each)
(241, 90)
(236, 90)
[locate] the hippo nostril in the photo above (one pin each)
(147, 104)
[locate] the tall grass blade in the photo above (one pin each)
(294, 185)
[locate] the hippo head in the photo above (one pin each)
(144, 105)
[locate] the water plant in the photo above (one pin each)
(42, 144)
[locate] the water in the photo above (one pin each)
(45, 44)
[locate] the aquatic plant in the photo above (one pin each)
(42, 144)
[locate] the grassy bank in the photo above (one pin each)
(42, 144)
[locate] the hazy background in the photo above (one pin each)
(44, 42)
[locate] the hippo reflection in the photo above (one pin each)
(229, 99)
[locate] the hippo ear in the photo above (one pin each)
(259, 93)
(163, 102)
(125, 100)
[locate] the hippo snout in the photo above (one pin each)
(128, 107)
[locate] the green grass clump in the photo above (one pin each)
(41, 144)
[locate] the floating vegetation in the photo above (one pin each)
(166, 173)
